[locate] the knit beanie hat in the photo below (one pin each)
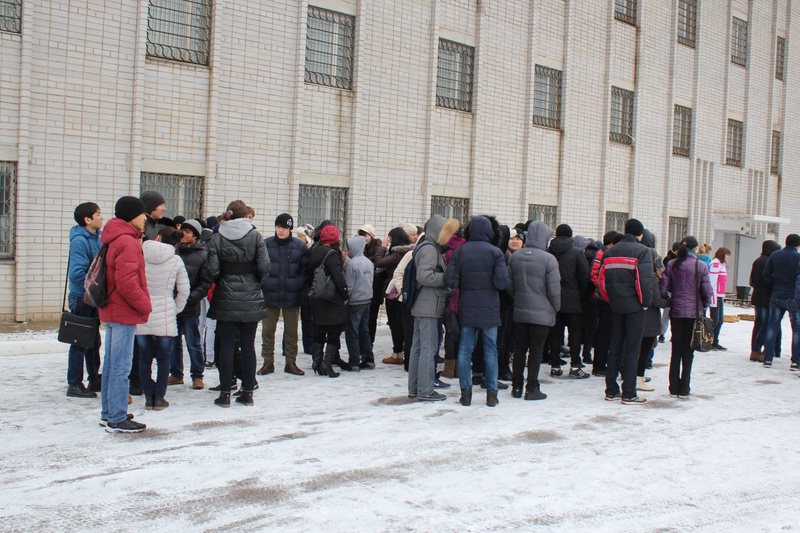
(151, 200)
(128, 207)
(179, 219)
(285, 220)
(329, 235)
(194, 226)
(634, 227)
(793, 240)
(564, 231)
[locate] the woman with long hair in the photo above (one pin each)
(718, 273)
(237, 262)
(397, 245)
(687, 287)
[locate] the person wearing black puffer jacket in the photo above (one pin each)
(760, 300)
(237, 263)
(329, 316)
(574, 270)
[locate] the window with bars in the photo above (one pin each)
(625, 10)
(682, 131)
(330, 47)
(454, 75)
(621, 116)
(780, 54)
(687, 22)
(615, 221)
(11, 16)
(678, 229)
(316, 203)
(8, 195)
(184, 194)
(733, 150)
(179, 30)
(450, 207)
(547, 97)
(544, 213)
(775, 159)
(739, 42)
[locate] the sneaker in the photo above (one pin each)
(683, 396)
(367, 365)
(577, 373)
(80, 391)
(126, 426)
(434, 397)
(439, 384)
(516, 392)
(767, 364)
(174, 381)
(197, 384)
(613, 397)
(104, 422)
(209, 364)
(794, 367)
(556, 371)
(636, 400)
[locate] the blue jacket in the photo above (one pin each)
(482, 275)
(288, 273)
(83, 246)
(781, 272)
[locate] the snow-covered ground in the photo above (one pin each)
(355, 454)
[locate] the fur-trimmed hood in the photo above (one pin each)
(450, 227)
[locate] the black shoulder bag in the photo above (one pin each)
(74, 329)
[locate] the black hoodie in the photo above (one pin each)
(761, 292)
(574, 272)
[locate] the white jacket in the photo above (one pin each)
(165, 274)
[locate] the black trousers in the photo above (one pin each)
(680, 363)
(572, 321)
(408, 333)
(505, 338)
(648, 343)
(528, 339)
(394, 315)
(626, 342)
(227, 333)
(602, 337)
(589, 318)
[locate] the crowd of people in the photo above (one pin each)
(500, 300)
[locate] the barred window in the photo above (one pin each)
(733, 151)
(179, 30)
(739, 42)
(317, 203)
(775, 160)
(330, 44)
(547, 97)
(678, 229)
(454, 75)
(780, 53)
(11, 15)
(621, 115)
(625, 10)
(184, 194)
(8, 195)
(615, 221)
(687, 22)
(544, 213)
(682, 131)
(450, 207)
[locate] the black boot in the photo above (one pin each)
(135, 387)
(149, 402)
(341, 363)
(491, 398)
(316, 358)
(327, 362)
(533, 393)
(95, 385)
(466, 397)
(224, 399)
(246, 398)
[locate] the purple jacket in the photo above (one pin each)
(685, 287)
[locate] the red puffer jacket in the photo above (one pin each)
(128, 299)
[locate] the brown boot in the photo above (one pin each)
(292, 368)
(174, 381)
(395, 359)
(197, 384)
(268, 368)
(757, 357)
(449, 368)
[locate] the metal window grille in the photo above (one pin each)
(184, 194)
(780, 53)
(11, 15)
(8, 195)
(317, 203)
(739, 42)
(454, 75)
(621, 116)
(544, 213)
(682, 131)
(179, 30)
(775, 160)
(547, 97)
(615, 221)
(687, 22)
(330, 46)
(625, 10)
(733, 151)
(678, 229)
(450, 207)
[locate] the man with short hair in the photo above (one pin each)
(154, 206)
(84, 243)
(781, 274)
(287, 280)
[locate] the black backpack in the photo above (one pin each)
(95, 286)
(410, 286)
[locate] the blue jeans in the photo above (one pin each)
(116, 367)
(188, 327)
(158, 348)
(356, 335)
(468, 337)
(776, 310)
(78, 355)
(760, 332)
(717, 315)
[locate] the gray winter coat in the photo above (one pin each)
(535, 279)
(358, 272)
(430, 272)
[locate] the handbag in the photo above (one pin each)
(322, 286)
(80, 331)
(703, 327)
